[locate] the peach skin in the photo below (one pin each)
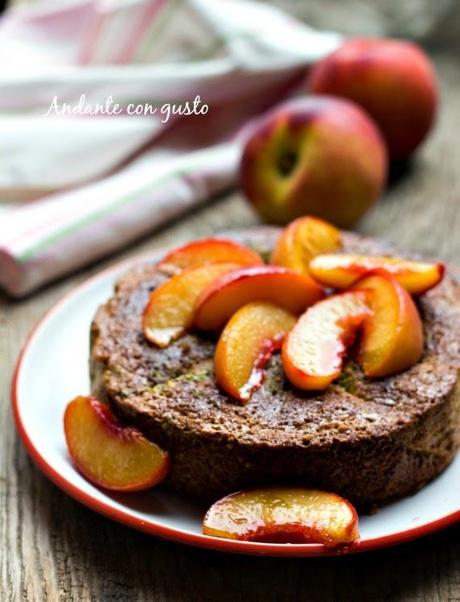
(342, 271)
(169, 311)
(108, 454)
(392, 339)
(209, 250)
(303, 239)
(227, 294)
(252, 334)
(284, 515)
(313, 351)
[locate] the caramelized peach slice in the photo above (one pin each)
(393, 335)
(169, 311)
(314, 349)
(341, 271)
(303, 239)
(283, 515)
(209, 250)
(280, 286)
(107, 454)
(246, 344)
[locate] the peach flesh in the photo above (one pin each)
(108, 454)
(303, 239)
(342, 271)
(392, 339)
(313, 352)
(169, 311)
(250, 337)
(283, 515)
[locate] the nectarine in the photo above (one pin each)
(209, 250)
(341, 271)
(108, 454)
(320, 156)
(303, 239)
(283, 515)
(225, 295)
(314, 350)
(392, 80)
(252, 334)
(169, 311)
(392, 338)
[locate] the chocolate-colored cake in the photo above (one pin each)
(368, 440)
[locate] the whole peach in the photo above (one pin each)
(392, 80)
(320, 156)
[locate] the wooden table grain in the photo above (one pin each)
(52, 548)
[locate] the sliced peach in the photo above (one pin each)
(280, 286)
(341, 271)
(303, 239)
(283, 515)
(393, 335)
(169, 311)
(313, 351)
(108, 454)
(209, 250)
(246, 344)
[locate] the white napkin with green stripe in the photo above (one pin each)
(75, 187)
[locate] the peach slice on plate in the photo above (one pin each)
(225, 295)
(341, 271)
(314, 349)
(303, 239)
(209, 250)
(283, 515)
(169, 311)
(392, 338)
(108, 454)
(250, 337)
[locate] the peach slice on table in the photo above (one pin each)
(392, 339)
(108, 454)
(303, 239)
(284, 515)
(314, 350)
(209, 250)
(342, 271)
(169, 311)
(228, 293)
(250, 337)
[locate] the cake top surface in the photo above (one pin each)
(176, 385)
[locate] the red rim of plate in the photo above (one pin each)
(170, 533)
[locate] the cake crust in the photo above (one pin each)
(368, 440)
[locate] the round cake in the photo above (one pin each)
(370, 441)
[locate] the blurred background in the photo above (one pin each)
(435, 23)
(430, 23)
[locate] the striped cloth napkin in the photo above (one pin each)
(100, 138)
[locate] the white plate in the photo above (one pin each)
(53, 368)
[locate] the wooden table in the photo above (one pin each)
(52, 548)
